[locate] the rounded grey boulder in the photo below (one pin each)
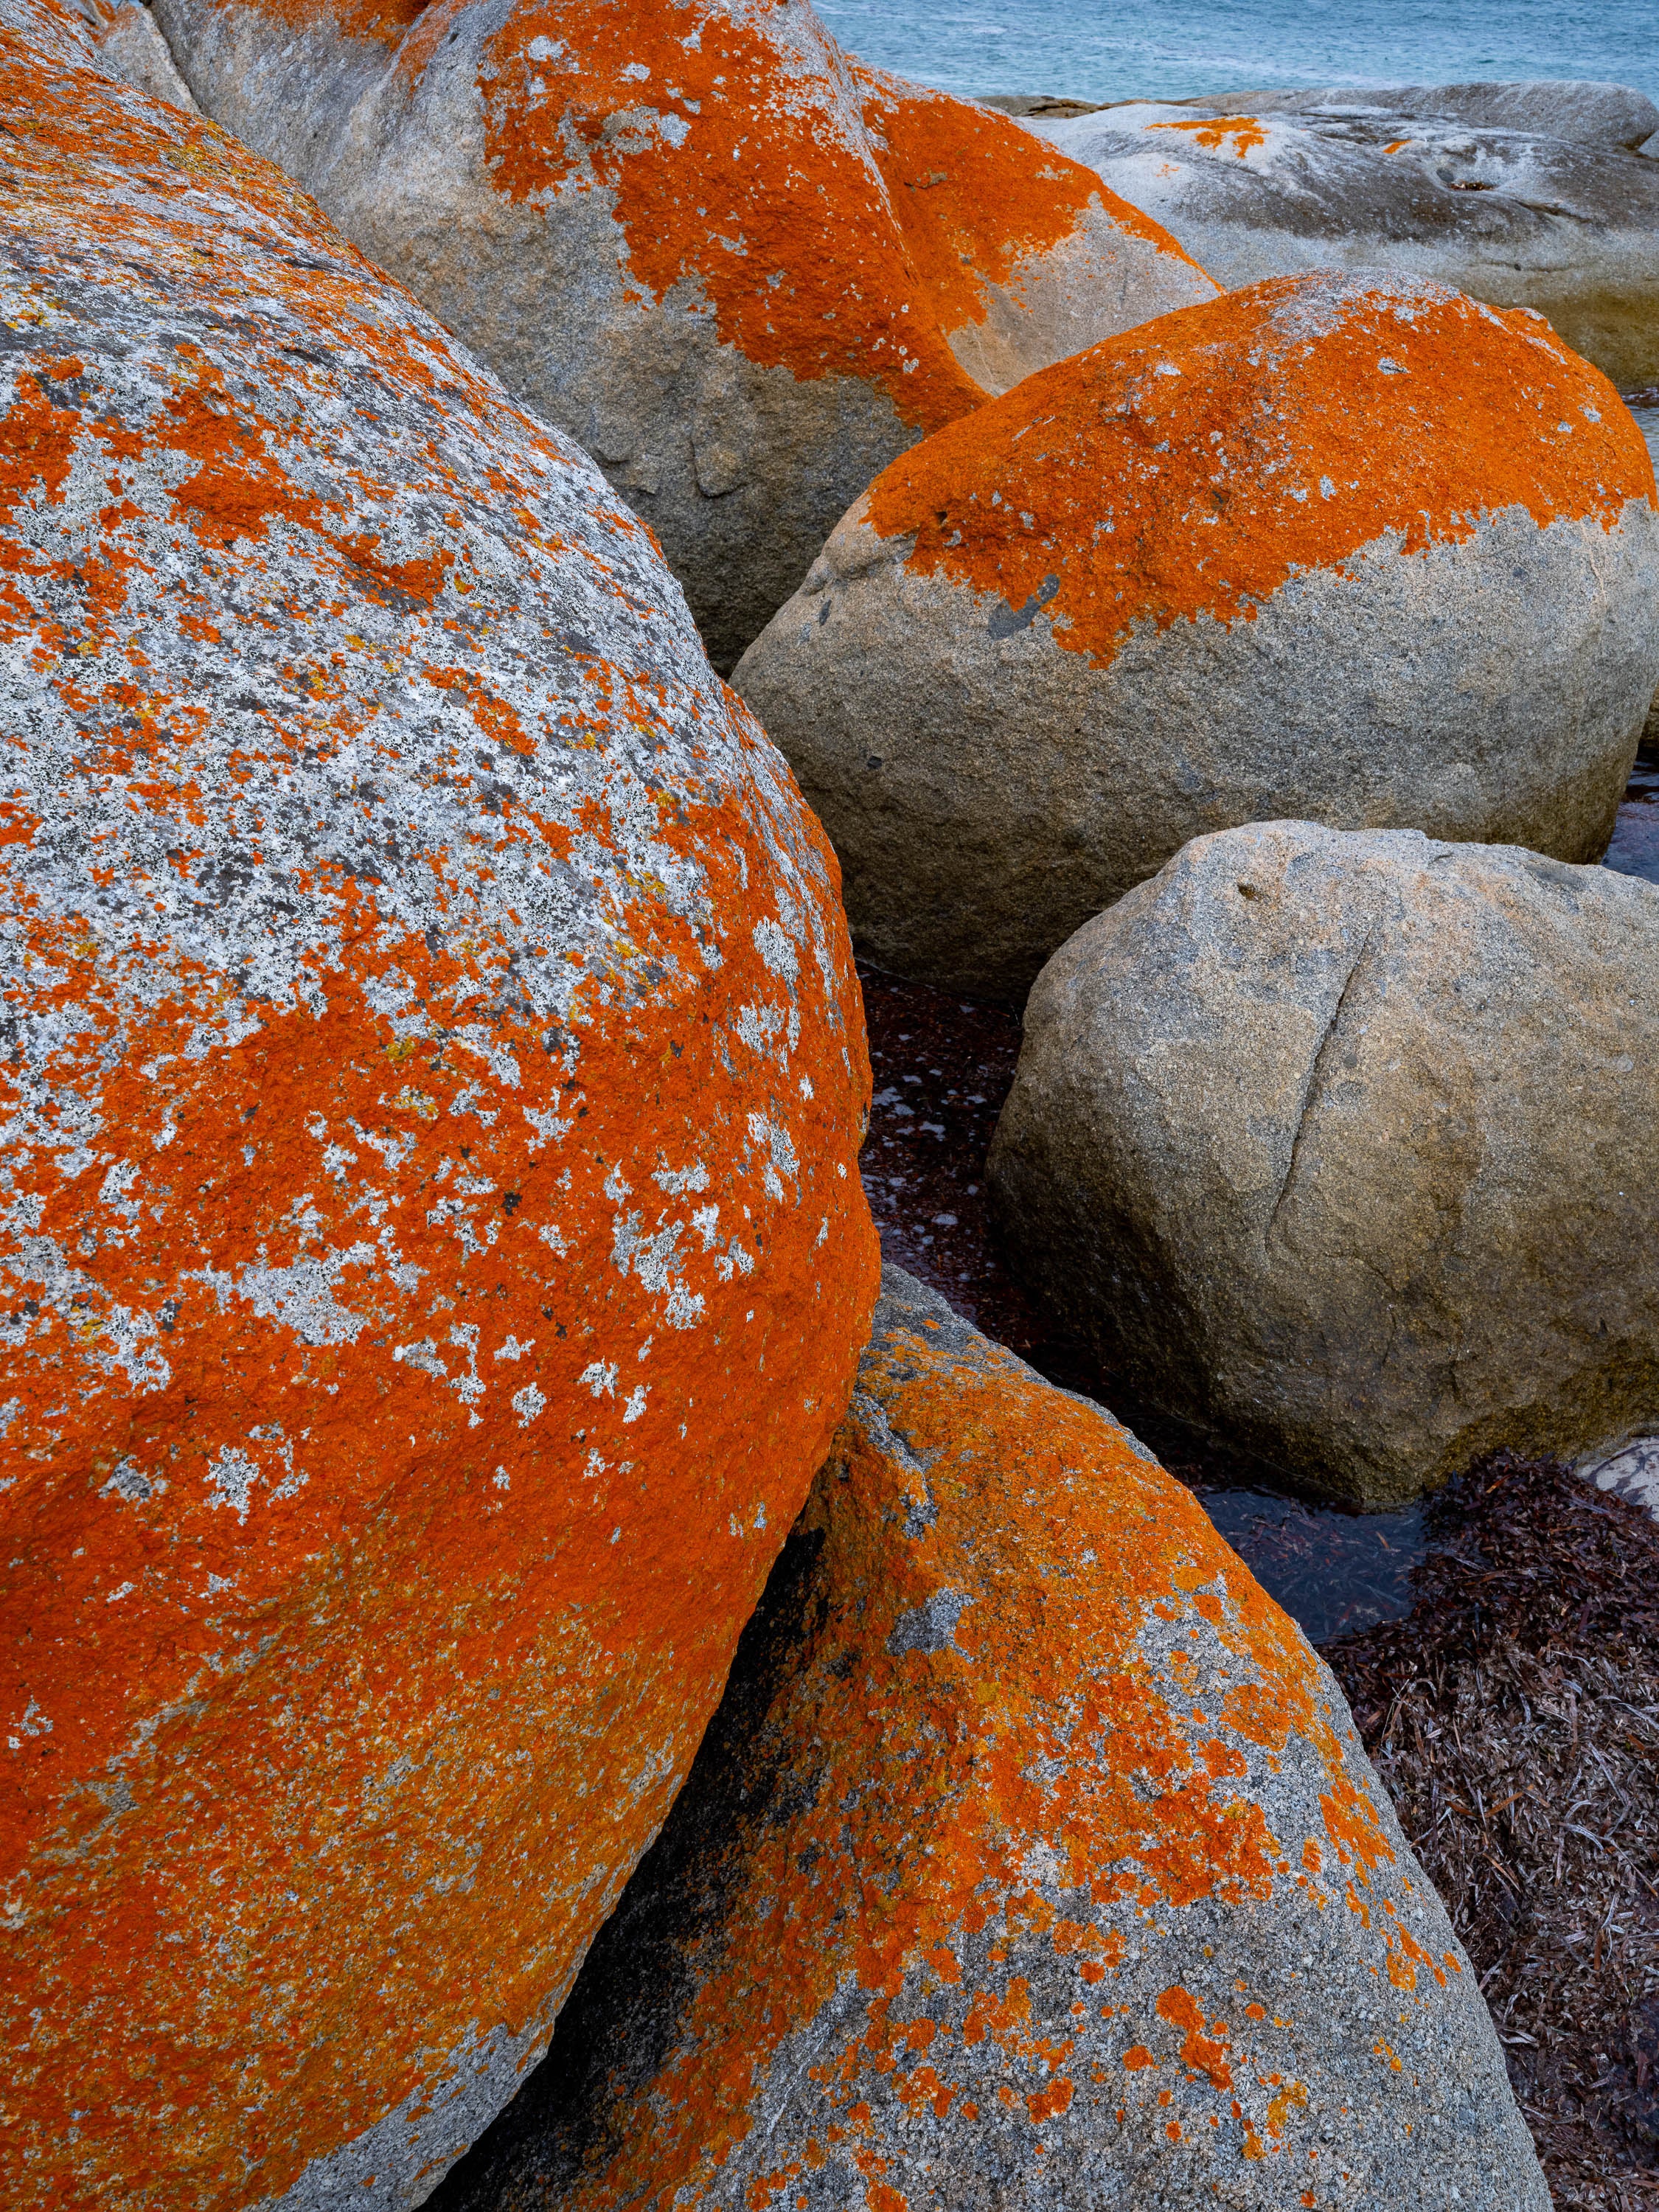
(1339, 1145)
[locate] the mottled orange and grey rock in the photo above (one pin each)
(1528, 195)
(1031, 1861)
(1349, 548)
(742, 270)
(433, 1254)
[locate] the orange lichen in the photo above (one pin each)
(1239, 133)
(1352, 1820)
(1193, 467)
(349, 1690)
(928, 1775)
(831, 220)
(1047, 2104)
(988, 205)
(1292, 2098)
(1206, 2054)
(236, 490)
(743, 168)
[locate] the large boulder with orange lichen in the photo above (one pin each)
(433, 1249)
(1339, 1145)
(741, 270)
(1030, 1860)
(1338, 548)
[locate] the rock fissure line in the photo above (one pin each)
(1310, 1093)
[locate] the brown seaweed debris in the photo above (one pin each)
(1514, 1717)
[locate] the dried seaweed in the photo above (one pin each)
(1514, 1718)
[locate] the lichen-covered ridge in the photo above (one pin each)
(432, 1247)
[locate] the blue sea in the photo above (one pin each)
(1086, 50)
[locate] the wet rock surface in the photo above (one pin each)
(740, 269)
(432, 1255)
(1526, 195)
(1634, 850)
(1337, 548)
(1336, 1141)
(1030, 1853)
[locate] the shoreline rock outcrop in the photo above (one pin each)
(1336, 1146)
(741, 270)
(1585, 112)
(1610, 117)
(1522, 195)
(1032, 1860)
(1340, 548)
(433, 1254)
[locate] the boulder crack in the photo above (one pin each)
(1315, 1079)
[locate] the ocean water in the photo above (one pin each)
(1088, 50)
